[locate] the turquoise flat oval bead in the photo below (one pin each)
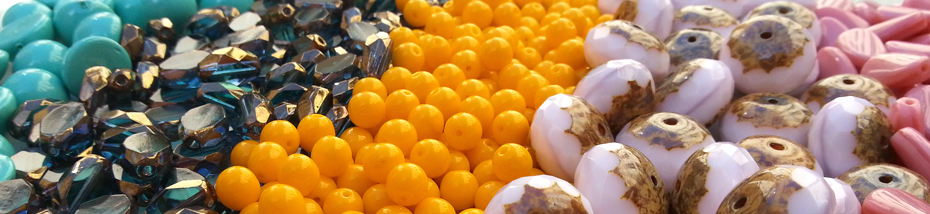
(6, 148)
(4, 63)
(139, 13)
(31, 84)
(43, 54)
(25, 9)
(90, 52)
(103, 24)
(242, 5)
(17, 34)
(8, 106)
(108, 3)
(49, 3)
(7, 170)
(67, 15)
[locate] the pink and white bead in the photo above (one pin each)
(766, 114)
(780, 189)
(617, 178)
(708, 176)
(655, 16)
(770, 150)
(832, 87)
(846, 202)
(693, 43)
(563, 129)
(700, 88)
(540, 193)
(794, 11)
(734, 8)
(706, 17)
(620, 89)
(848, 132)
(619, 39)
(769, 54)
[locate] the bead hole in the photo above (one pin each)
(740, 203)
(708, 8)
(670, 121)
(602, 129)
(458, 133)
(287, 11)
(692, 39)
(777, 146)
(655, 182)
(121, 80)
(772, 101)
(886, 179)
(766, 35)
(783, 10)
(637, 26)
(849, 82)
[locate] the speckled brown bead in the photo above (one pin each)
(856, 85)
(866, 178)
(770, 150)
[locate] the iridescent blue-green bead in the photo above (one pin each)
(90, 52)
(31, 84)
(140, 12)
(25, 9)
(7, 170)
(103, 24)
(242, 5)
(8, 106)
(43, 54)
(108, 3)
(67, 15)
(18, 33)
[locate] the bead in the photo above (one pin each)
(282, 133)
(899, 28)
(325, 186)
(478, 13)
(462, 131)
(897, 70)
(911, 147)
(766, 113)
(646, 49)
(890, 200)
(619, 103)
(177, 11)
(422, 84)
(678, 92)
(792, 188)
(434, 205)
(794, 11)
(830, 88)
(26, 30)
(68, 15)
(693, 43)
(770, 150)
(495, 53)
(241, 152)
(559, 144)
(684, 136)
(300, 172)
(542, 193)
(244, 184)
(41, 54)
(860, 45)
(532, 83)
(266, 160)
(333, 156)
(342, 200)
(832, 28)
(407, 184)
(107, 53)
(859, 133)
(31, 84)
(635, 181)
(704, 17)
(657, 22)
(25, 9)
(833, 61)
(750, 44)
(367, 110)
(718, 166)
(81, 182)
(427, 120)
(19, 193)
(432, 156)
(103, 24)
(241, 5)
(281, 198)
(869, 177)
(846, 202)
(376, 200)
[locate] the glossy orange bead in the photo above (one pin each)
(380, 159)
(322, 189)
(343, 200)
(472, 211)
(472, 87)
(417, 12)
(528, 87)
(462, 131)
(440, 24)
(250, 209)
(281, 132)
(511, 161)
(458, 7)
(376, 198)
(530, 23)
(559, 31)
(437, 51)
(398, 132)
(507, 99)
(281, 198)
(427, 120)
(409, 55)
(370, 84)
(300, 172)
(482, 110)
(486, 192)
(538, 44)
(354, 178)
(491, 84)
(266, 160)
(407, 184)
(469, 62)
(394, 209)
(395, 78)
(484, 172)
(545, 92)
(240, 153)
(357, 137)
(366, 110)
(421, 84)
(449, 75)
(484, 151)
(496, 53)
(401, 102)
(528, 56)
(470, 30)
(529, 113)
(458, 188)
(548, 19)
(312, 128)
(403, 35)
(464, 43)
(603, 18)
(511, 127)
(313, 207)
(432, 190)
(332, 155)
(511, 75)
(533, 10)
(478, 13)
(459, 161)
(507, 14)
(446, 100)
(237, 187)
(434, 206)
(568, 54)
(432, 156)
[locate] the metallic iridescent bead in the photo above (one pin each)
(153, 50)
(108, 204)
(203, 127)
(181, 71)
(86, 180)
(229, 63)
(254, 112)
(132, 40)
(291, 72)
(18, 197)
(163, 29)
(220, 93)
(316, 100)
(184, 194)
(211, 23)
(291, 92)
(66, 132)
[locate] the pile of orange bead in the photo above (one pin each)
(441, 131)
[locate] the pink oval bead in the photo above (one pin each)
(867, 10)
(886, 12)
(891, 200)
(906, 113)
(921, 39)
(922, 95)
(832, 28)
(907, 47)
(860, 45)
(913, 149)
(902, 27)
(919, 4)
(833, 61)
(846, 5)
(848, 18)
(897, 70)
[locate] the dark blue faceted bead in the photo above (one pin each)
(210, 23)
(229, 63)
(342, 90)
(184, 194)
(340, 117)
(109, 204)
(336, 69)
(181, 71)
(66, 132)
(112, 142)
(119, 118)
(316, 100)
(288, 73)
(88, 178)
(310, 58)
(17, 195)
(169, 96)
(288, 93)
(311, 20)
(31, 164)
(287, 111)
(220, 93)
(376, 57)
(203, 127)
(254, 112)
(20, 124)
(168, 119)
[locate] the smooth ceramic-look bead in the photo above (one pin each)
(766, 114)
(907, 47)
(43, 54)
(868, 10)
(847, 132)
(906, 112)
(922, 95)
(832, 28)
(832, 62)
(563, 129)
(869, 177)
(139, 13)
(794, 11)
(769, 54)
(770, 150)
(901, 27)
(921, 39)
(103, 24)
(708, 176)
(31, 84)
(242, 5)
(635, 185)
(89, 52)
(780, 189)
(897, 70)
(540, 193)
(693, 43)
(848, 18)
(888, 12)
(624, 40)
(667, 139)
(891, 200)
(23, 31)
(108, 3)
(913, 149)
(67, 16)
(846, 202)
(654, 16)
(860, 45)
(8, 106)
(25, 9)
(836, 86)
(706, 17)
(619, 103)
(700, 88)
(734, 8)
(921, 4)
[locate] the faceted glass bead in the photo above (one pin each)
(288, 73)
(261, 6)
(131, 40)
(188, 44)
(108, 204)
(358, 33)
(154, 50)
(181, 71)
(149, 154)
(386, 21)
(184, 194)
(183, 174)
(279, 13)
(310, 20)
(316, 100)
(139, 189)
(310, 58)
(340, 117)
(307, 43)
(336, 69)
(376, 57)
(328, 4)
(208, 162)
(32, 138)
(220, 93)
(254, 112)
(245, 21)
(288, 93)
(255, 40)
(66, 132)
(121, 81)
(119, 118)
(203, 127)
(210, 23)
(342, 90)
(192, 210)
(168, 96)
(286, 111)
(111, 144)
(49, 181)
(230, 12)
(86, 180)
(147, 79)
(31, 164)
(163, 29)
(283, 34)
(167, 119)
(16, 195)
(21, 123)
(93, 89)
(229, 63)
(349, 16)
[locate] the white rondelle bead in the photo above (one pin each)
(766, 114)
(655, 16)
(780, 189)
(708, 176)
(700, 88)
(769, 54)
(541, 194)
(620, 39)
(634, 184)
(706, 17)
(794, 11)
(846, 202)
(620, 89)
(848, 132)
(563, 129)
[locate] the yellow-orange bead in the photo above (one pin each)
(434, 206)
(417, 12)
(401, 4)
(313, 207)
(529, 113)
(403, 35)
(534, 10)
(322, 189)
(469, 62)
(525, 33)
(561, 74)
(591, 11)
(464, 43)
(543, 67)
(577, 17)
(300, 172)
(559, 31)
(478, 13)
(409, 55)
(266, 160)
(283, 133)
(438, 51)
(507, 14)
(268, 185)
(360, 154)
(421, 84)
(240, 153)
(376, 198)
(491, 84)
(553, 55)
(366, 110)
(462, 131)
(484, 151)
(459, 161)
(379, 159)
(528, 87)
(446, 100)
(496, 53)
(449, 75)
(458, 7)
(530, 23)
(407, 184)
(395, 78)
(507, 99)
(459, 187)
(511, 127)
(401, 102)
(353, 211)
(506, 33)
(313, 127)
(357, 137)
(472, 211)
(432, 190)
(538, 44)
(418, 32)
(432, 156)
(281, 198)
(354, 178)
(468, 29)
(604, 18)
(568, 53)
(447, 7)
(472, 87)
(485, 172)
(370, 84)
(237, 187)
(511, 75)
(398, 132)
(342, 200)
(251, 209)
(440, 24)
(528, 56)
(332, 155)
(548, 19)
(558, 7)
(545, 92)
(427, 120)
(511, 161)
(394, 209)
(486, 192)
(482, 109)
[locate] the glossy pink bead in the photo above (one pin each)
(920, 39)
(922, 95)
(902, 27)
(868, 11)
(891, 200)
(907, 112)
(833, 61)
(913, 149)
(846, 5)
(907, 47)
(921, 4)
(832, 28)
(860, 45)
(887, 12)
(848, 18)
(897, 70)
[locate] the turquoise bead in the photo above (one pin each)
(43, 54)
(31, 84)
(8, 106)
(139, 13)
(90, 52)
(6, 148)
(242, 5)
(104, 24)
(25, 9)
(4, 63)
(7, 170)
(67, 15)
(108, 3)
(18, 33)
(49, 3)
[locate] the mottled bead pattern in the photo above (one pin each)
(873, 137)
(770, 150)
(587, 125)
(674, 81)
(866, 178)
(691, 185)
(767, 42)
(634, 33)
(771, 110)
(627, 10)
(767, 191)
(705, 16)
(550, 199)
(637, 101)
(694, 43)
(668, 130)
(864, 87)
(794, 11)
(644, 185)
